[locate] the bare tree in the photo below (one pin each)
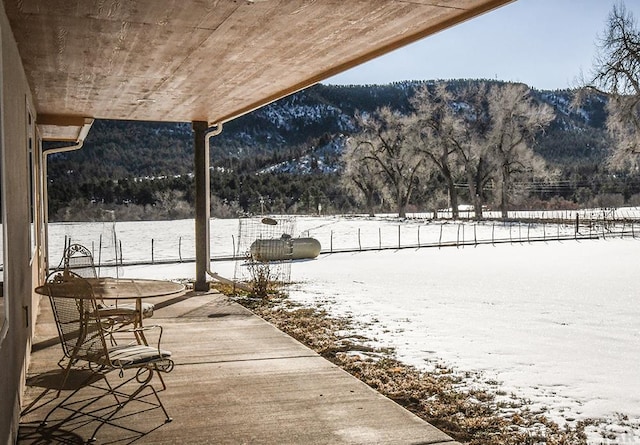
(616, 73)
(516, 119)
(454, 131)
(485, 134)
(386, 146)
(436, 127)
(473, 148)
(362, 177)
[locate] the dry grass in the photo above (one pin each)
(472, 416)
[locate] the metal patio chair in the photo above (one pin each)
(79, 260)
(85, 340)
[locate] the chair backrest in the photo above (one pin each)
(78, 259)
(75, 313)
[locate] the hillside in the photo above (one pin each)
(300, 135)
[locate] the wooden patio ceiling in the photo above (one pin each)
(204, 60)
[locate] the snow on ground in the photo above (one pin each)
(557, 322)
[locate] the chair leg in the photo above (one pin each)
(67, 370)
(146, 383)
(164, 386)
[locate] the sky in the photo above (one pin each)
(545, 44)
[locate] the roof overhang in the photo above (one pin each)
(199, 60)
(64, 128)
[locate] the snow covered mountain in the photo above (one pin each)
(302, 133)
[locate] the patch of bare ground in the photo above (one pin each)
(441, 397)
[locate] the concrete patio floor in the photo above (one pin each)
(237, 380)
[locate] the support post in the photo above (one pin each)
(201, 170)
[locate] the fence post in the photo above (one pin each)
(379, 238)
(99, 250)
(418, 236)
(359, 242)
(180, 248)
(331, 243)
(544, 231)
(399, 245)
(440, 239)
(463, 235)
(152, 259)
(519, 231)
(233, 246)
(458, 237)
(120, 244)
(493, 230)
(115, 249)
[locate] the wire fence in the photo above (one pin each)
(471, 234)
(166, 242)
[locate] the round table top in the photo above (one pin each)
(113, 288)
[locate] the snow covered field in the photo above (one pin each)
(555, 322)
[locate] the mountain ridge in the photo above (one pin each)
(303, 121)
(301, 134)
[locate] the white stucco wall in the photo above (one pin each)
(19, 270)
